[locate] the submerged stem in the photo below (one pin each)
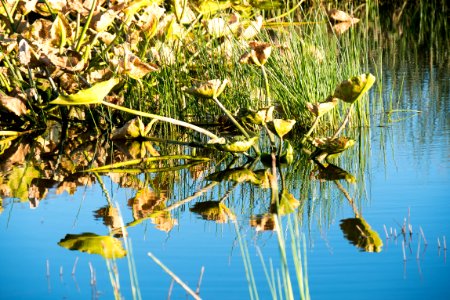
(347, 117)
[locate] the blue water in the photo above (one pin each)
(407, 176)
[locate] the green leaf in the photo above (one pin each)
(92, 95)
(92, 243)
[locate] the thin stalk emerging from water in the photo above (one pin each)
(161, 118)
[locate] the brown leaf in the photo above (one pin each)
(339, 15)
(102, 20)
(12, 104)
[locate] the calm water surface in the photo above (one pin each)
(407, 175)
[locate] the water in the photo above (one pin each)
(406, 177)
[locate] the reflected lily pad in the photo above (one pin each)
(214, 211)
(132, 129)
(264, 222)
(287, 204)
(332, 172)
(92, 243)
(287, 157)
(360, 234)
(353, 89)
(235, 175)
(236, 144)
(281, 127)
(332, 145)
(20, 180)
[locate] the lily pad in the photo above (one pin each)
(332, 145)
(92, 243)
(258, 117)
(237, 144)
(238, 175)
(281, 127)
(353, 89)
(214, 211)
(287, 204)
(360, 234)
(209, 89)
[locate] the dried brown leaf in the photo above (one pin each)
(13, 104)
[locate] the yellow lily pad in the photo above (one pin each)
(360, 234)
(353, 89)
(92, 95)
(281, 127)
(92, 243)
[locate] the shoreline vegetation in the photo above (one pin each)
(235, 93)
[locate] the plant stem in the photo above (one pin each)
(229, 115)
(313, 126)
(347, 117)
(85, 28)
(161, 118)
(266, 83)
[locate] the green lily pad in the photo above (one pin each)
(353, 89)
(92, 243)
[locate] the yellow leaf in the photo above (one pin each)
(92, 95)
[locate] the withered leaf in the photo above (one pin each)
(13, 104)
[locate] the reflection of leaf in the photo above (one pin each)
(287, 204)
(353, 89)
(235, 144)
(92, 243)
(236, 175)
(20, 180)
(360, 234)
(333, 172)
(213, 210)
(332, 145)
(264, 222)
(92, 95)
(132, 129)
